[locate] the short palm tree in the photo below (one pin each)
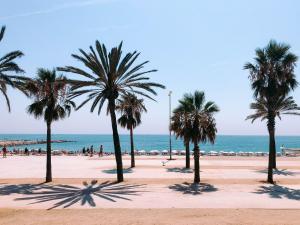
(272, 76)
(282, 106)
(131, 109)
(181, 125)
(109, 76)
(203, 125)
(50, 94)
(7, 67)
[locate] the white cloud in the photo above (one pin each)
(57, 8)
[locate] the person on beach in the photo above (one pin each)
(92, 151)
(4, 150)
(40, 151)
(101, 151)
(83, 151)
(26, 152)
(88, 150)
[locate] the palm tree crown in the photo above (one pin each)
(272, 73)
(201, 114)
(50, 92)
(7, 69)
(110, 75)
(131, 109)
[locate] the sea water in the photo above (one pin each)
(154, 142)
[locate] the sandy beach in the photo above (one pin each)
(230, 187)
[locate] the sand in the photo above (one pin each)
(150, 217)
(232, 191)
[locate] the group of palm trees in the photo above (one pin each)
(272, 79)
(114, 79)
(109, 77)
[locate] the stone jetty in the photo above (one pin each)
(9, 143)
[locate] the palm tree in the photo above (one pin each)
(7, 67)
(282, 105)
(272, 76)
(131, 109)
(181, 125)
(50, 94)
(203, 125)
(109, 76)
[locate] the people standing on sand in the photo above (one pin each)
(83, 150)
(101, 151)
(26, 152)
(88, 150)
(92, 151)
(40, 151)
(4, 150)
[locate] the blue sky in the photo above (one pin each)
(194, 44)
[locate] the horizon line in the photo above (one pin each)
(110, 134)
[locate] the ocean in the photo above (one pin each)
(154, 142)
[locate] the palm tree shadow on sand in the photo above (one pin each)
(66, 195)
(193, 188)
(283, 172)
(277, 191)
(8, 189)
(114, 171)
(179, 170)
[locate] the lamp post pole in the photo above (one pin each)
(170, 132)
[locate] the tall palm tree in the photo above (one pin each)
(272, 76)
(7, 68)
(282, 105)
(203, 125)
(50, 94)
(131, 109)
(110, 75)
(181, 125)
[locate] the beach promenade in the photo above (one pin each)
(232, 191)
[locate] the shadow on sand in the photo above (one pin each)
(193, 188)
(9, 189)
(179, 170)
(114, 171)
(283, 172)
(66, 195)
(277, 191)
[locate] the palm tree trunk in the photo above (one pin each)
(196, 163)
(187, 155)
(48, 162)
(132, 147)
(272, 148)
(273, 144)
(118, 153)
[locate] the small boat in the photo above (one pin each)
(154, 152)
(174, 152)
(290, 151)
(202, 152)
(142, 152)
(213, 153)
(164, 152)
(56, 152)
(182, 152)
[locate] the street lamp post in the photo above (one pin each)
(170, 132)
